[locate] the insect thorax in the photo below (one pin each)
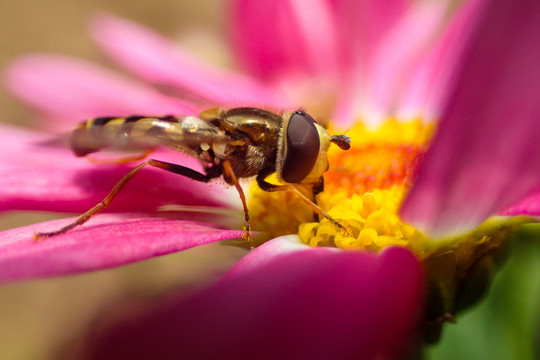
(259, 129)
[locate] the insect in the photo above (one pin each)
(236, 143)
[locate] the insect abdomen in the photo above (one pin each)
(111, 132)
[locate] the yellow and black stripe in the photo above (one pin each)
(119, 132)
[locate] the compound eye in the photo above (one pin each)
(302, 147)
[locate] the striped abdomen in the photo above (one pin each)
(111, 132)
(142, 132)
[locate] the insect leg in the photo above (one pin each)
(318, 209)
(123, 160)
(174, 168)
(266, 186)
(228, 172)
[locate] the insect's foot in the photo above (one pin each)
(40, 236)
(345, 231)
(342, 228)
(44, 235)
(248, 237)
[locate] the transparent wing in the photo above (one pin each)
(138, 133)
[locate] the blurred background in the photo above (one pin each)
(42, 319)
(59, 26)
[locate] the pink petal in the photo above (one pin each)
(431, 80)
(399, 50)
(74, 89)
(105, 241)
(266, 253)
(373, 95)
(313, 304)
(485, 156)
(281, 38)
(36, 177)
(364, 23)
(158, 61)
(530, 205)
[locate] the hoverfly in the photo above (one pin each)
(236, 143)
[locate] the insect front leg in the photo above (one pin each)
(229, 173)
(266, 186)
(174, 168)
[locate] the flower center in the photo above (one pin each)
(365, 186)
(363, 190)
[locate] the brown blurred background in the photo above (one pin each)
(59, 26)
(38, 319)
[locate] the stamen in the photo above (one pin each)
(373, 166)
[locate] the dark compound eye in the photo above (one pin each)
(302, 147)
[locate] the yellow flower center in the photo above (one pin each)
(363, 190)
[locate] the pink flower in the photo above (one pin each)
(346, 60)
